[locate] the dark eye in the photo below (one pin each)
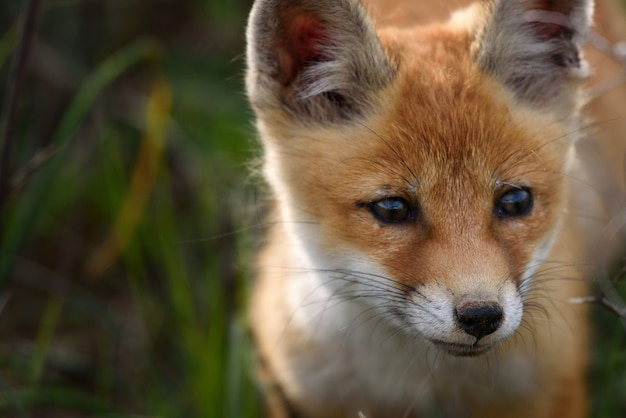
(391, 210)
(514, 203)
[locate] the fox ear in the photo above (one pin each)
(318, 60)
(533, 47)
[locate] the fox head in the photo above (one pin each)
(421, 171)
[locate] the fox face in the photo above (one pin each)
(420, 176)
(440, 223)
(419, 180)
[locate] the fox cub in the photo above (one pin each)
(437, 184)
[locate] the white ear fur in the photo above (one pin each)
(316, 60)
(533, 47)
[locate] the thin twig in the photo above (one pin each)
(23, 176)
(17, 76)
(602, 301)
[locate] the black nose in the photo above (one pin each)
(479, 318)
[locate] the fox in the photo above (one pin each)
(440, 178)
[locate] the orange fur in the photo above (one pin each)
(338, 291)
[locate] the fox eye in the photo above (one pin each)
(391, 210)
(514, 203)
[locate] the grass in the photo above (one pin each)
(126, 251)
(127, 247)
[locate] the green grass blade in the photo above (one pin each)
(23, 215)
(7, 44)
(49, 322)
(71, 399)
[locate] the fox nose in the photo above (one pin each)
(479, 318)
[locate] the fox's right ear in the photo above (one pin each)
(534, 47)
(316, 60)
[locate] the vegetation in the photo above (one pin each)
(127, 229)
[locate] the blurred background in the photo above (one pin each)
(129, 215)
(127, 229)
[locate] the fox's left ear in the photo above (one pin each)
(533, 47)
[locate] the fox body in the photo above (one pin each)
(435, 189)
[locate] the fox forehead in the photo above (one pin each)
(460, 115)
(442, 122)
(443, 136)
